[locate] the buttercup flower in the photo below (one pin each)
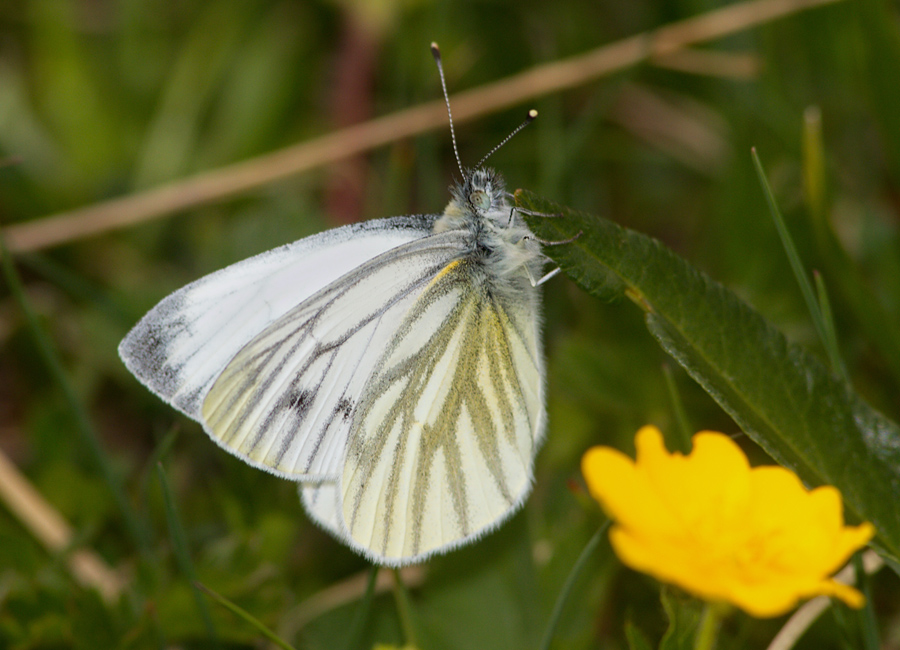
(710, 524)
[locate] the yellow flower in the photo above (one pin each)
(710, 524)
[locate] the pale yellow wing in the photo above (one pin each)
(442, 445)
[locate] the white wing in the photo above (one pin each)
(323, 504)
(183, 343)
(409, 394)
(285, 402)
(443, 441)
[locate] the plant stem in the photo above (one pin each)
(404, 610)
(868, 624)
(709, 627)
(362, 613)
(685, 432)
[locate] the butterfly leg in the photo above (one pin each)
(545, 242)
(530, 213)
(542, 279)
(547, 276)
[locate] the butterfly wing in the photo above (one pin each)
(286, 400)
(411, 397)
(183, 343)
(443, 441)
(322, 502)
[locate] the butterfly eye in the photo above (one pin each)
(480, 199)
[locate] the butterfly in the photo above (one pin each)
(393, 368)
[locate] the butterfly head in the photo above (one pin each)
(480, 196)
(482, 191)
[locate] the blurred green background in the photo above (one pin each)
(104, 98)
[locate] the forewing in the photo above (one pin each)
(183, 343)
(444, 439)
(286, 401)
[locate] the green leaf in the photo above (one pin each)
(782, 396)
(684, 616)
(636, 638)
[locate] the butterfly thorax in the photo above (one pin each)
(500, 243)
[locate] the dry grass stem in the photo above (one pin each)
(685, 130)
(53, 532)
(342, 593)
(803, 618)
(729, 65)
(536, 82)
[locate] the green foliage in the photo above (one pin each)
(636, 639)
(780, 394)
(98, 100)
(684, 616)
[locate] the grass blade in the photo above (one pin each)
(797, 266)
(245, 615)
(89, 438)
(563, 596)
(182, 555)
(830, 342)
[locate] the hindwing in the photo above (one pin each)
(449, 421)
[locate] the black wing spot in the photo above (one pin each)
(300, 401)
(344, 408)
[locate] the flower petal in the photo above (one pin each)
(709, 523)
(622, 491)
(852, 597)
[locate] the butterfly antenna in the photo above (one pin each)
(436, 53)
(532, 115)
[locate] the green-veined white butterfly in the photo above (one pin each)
(392, 367)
